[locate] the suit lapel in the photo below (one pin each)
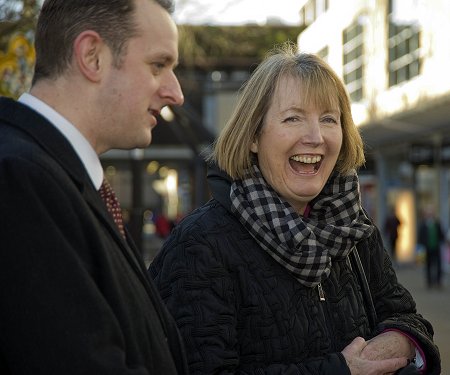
(131, 253)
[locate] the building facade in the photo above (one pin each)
(393, 56)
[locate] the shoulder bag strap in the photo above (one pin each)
(357, 267)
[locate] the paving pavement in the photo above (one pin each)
(433, 304)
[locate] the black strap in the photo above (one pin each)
(367, 296)
(357, 266)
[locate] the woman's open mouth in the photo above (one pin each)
(305, 164)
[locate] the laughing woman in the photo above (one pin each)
(282, 272)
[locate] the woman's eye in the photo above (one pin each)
(290, 119)
(330, 120)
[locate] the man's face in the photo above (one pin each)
(134, 94)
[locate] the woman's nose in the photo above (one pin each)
(313, 134)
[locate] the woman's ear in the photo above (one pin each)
(254, 146)
(89, 50)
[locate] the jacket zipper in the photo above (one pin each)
(325, 311)
(321, 292)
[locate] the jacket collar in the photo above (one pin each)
(220, 184)
(30, 122)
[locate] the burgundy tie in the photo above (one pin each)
(112, 204)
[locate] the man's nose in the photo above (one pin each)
(171, 90)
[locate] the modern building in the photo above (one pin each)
(393, 56)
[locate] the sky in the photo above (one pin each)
(236, 12)
(233, 12)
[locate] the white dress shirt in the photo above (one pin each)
(82, 147)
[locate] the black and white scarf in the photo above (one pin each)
(305, 246)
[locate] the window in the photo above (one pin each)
(321, 7)
(311, 10)
(404, 46)
(323, 53)
(353, 60)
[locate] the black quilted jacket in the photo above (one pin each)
(240, 312)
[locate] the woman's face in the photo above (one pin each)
(298, 145)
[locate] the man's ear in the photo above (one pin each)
(89, 49)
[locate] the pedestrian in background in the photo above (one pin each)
(75, 295)
(265, 277)
(391, 226)
(431, 237)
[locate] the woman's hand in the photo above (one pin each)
(359, 362)
(387, 345)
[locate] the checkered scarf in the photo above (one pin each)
(305, 246)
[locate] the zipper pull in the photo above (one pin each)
(321, 292)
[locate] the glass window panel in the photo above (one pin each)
(402, 74)
(414, 69)
(392, 78)
(414, 42)
(358, 73)
(352, 59)
(323, 53)
(356, 95)
(320, 7)
(302, 16)
(392, 54)
(402, 49)
(392, 30)
(310, 11)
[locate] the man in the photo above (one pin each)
(391, 227)
(431, 237)
(75, 298)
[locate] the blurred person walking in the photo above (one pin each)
(431, 238)
(75, 295)
(391, 227)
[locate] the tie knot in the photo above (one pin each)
(106, 191)
(112, 204)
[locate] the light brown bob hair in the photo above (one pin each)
(321, 86)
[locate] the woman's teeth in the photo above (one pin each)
(306, 159)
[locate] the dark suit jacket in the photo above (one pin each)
(74, 295)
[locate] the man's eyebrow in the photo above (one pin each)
(167, 57)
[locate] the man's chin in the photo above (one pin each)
(142, 142)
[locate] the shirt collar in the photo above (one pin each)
(82, 147)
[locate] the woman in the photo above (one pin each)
(259, 279)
